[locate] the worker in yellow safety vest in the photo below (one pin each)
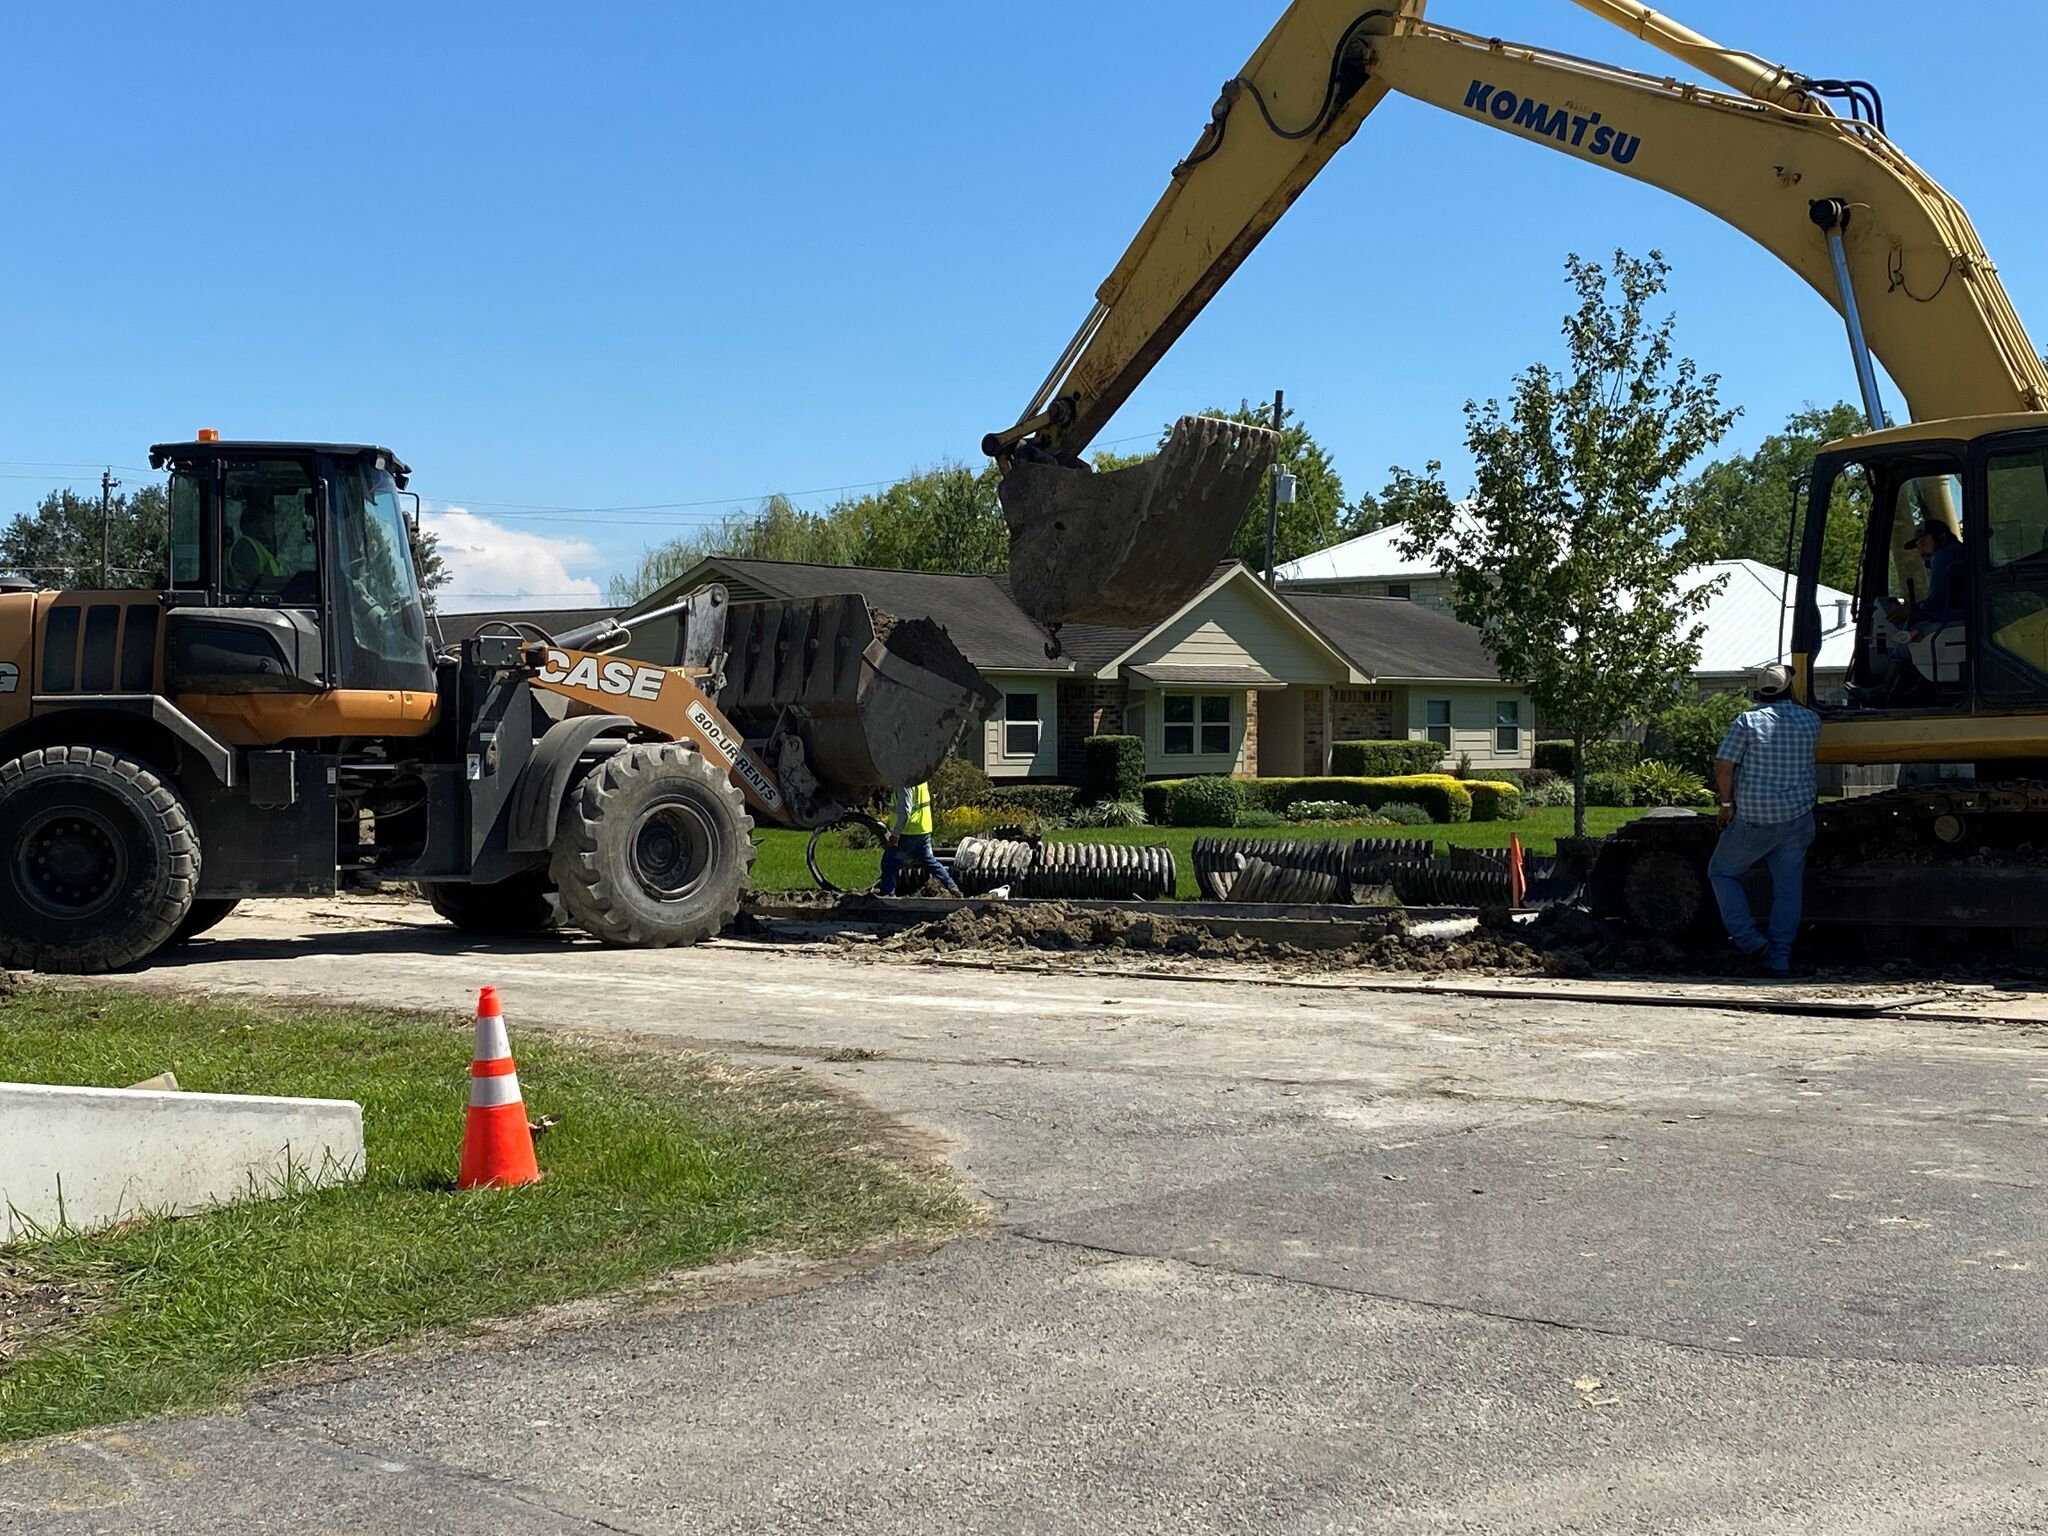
(253, 565)
(910, 841)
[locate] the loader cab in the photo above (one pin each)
(291, 571)
(1949, 525)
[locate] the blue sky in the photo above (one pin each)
(628, 256)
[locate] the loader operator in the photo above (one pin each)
(910, 841)
(253, 565)
(1763, 772)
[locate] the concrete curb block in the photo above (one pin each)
(86, 1157)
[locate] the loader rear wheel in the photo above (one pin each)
(514, 906)
(653, 849)
(100, 860)
(206, 912)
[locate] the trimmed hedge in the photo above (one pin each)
(1445, 798)
(1493, 800)
(1205, 802)
(1383, 759)
(1556, 756)
(1115, 767)
(1052, 800)
(957, 782)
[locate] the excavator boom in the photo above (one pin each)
(1775, 162)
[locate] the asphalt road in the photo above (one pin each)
(1265, 1257)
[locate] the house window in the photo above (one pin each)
(1399, 589)
(1021, 725)
(1507, 726)
(1439, 718)
(1191, 722)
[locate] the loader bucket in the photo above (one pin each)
(877, 700)
(1127, 547)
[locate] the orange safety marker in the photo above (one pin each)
(1518, 876)
(497, 1147)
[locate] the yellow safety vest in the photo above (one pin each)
(267, 563)
(919, 822)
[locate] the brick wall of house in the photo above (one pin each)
(1366, 714)
(1086, 709)
(1312, 730)
(1248, 750)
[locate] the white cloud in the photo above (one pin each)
(492, 566)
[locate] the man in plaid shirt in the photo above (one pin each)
(1763, 773)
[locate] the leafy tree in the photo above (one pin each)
(429, 565)
(1568, 554)
(944, 519)
(1399, 500)
(1742, 506)
(59, 543)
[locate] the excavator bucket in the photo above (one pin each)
(878, 701)
(1129, 546)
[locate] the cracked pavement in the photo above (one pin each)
(1265, 1257)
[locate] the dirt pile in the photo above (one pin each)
(1382, 941)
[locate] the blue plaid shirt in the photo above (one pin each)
(1772, 750)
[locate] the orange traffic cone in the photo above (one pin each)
(497, 1147)
(1518, 875)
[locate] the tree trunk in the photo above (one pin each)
(1578, 783)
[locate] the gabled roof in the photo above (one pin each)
(976, 611)
(1392, 640)
(1225, 573)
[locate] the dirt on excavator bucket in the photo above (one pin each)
(878, 700)
(1129, 546)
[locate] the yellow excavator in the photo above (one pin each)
(1802, 166)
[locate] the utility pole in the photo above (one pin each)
(1273, 490)
(107, 484)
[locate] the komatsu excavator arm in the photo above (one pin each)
(1775, 161)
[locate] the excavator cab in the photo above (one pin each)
(1950, 615)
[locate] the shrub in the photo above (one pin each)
(1553, 757)
(1686, 733)
(1610, 755)
(1330, 810)
(1404, 813)
(1383, 759)
(1494, 801)
(1258, 816)
(1111, 813)
(981, 821)
(1464, 768)
(1443, 796)
(1048, 802)
(957, 782)
(1655, 783)
(1553, 791)
(1531, 778)
(1115, 767)
(1205, 802)
(1609, 789)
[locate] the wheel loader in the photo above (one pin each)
(278, 720)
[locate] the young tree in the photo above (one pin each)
(1742, 507)
(1567, 555)
(59, 544)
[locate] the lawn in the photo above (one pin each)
(779, 866)
(658, 1162)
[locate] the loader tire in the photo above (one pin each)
(100, 860)
(205, 913)
(508, 907)
(654, 849)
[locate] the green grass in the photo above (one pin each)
(779, 866)
(658, 1162)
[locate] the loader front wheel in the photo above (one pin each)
(653, 849)
(98, 860)
(508, 907)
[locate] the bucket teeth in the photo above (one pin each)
(1129, 546)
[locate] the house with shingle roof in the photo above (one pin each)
(1239, 680)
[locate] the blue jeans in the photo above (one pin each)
(1782, 847)
(913, 850)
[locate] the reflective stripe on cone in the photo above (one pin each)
(497, 1146)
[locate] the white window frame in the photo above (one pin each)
(1197, 726)
(1036, 722)
(1431, 727)
(1507, 734)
